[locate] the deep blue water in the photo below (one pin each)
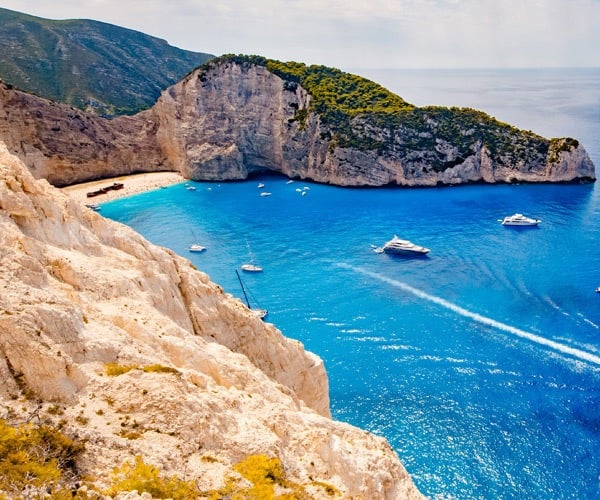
(480, 363)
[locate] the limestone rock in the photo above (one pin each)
(208, 383)
(228, 120)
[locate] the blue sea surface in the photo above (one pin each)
(480, 363)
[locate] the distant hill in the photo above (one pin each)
(89, 64)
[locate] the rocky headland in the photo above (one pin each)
(129, 349)
(239, 115)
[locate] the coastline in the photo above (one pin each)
(132, 184)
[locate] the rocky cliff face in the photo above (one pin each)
(65, 146)
(80, 291)
(236, 118)
(226, 120)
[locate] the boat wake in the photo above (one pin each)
(484, 320)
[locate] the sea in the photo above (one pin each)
(479, 363)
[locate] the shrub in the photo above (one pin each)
(114, 369)
(264, 474)
(147, 478)
(35, 457)
(156, 368)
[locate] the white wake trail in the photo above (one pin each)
(557, 346)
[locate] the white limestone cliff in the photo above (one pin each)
(228, 120)
(79, 291)
(235, 118)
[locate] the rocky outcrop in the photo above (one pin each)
(206, 383)
(65, 145)
(237, 118)
(229, 119)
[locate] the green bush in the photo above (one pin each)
(156, 368)
(115, 369)
(266, 476)
(147, 478)
(35, 457)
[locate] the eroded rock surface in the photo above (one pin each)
(226, 120)
(79, 291)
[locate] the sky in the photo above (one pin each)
(360, 33)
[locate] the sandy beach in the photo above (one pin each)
(132, 184)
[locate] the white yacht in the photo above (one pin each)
(519, 220)
(265, 193)
(251, 268)
(402, 247)
(196, 248)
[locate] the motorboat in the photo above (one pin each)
(194, 247)
(265, 193)
(519, 220)
(598, 290)
(260, 185)
(402, 247)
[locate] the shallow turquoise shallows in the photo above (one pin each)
(480, 363)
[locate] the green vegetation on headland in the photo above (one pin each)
(91, 65)
(358, 113)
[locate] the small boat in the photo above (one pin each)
(194, 247)
(402, 247)
(191, 188)
(261, 313)
(519, 220)
(290, 181)
(303, 193)
(265, 193)
(598, 290)
(260, 185)
(251, 267)
(94, 206)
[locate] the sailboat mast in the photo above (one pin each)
(243, 289)
(250, 253)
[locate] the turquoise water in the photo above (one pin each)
(479, 363)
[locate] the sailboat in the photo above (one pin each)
(251, 267)
(196, 247)
(261, 313)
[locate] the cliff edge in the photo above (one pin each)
(236, 116)
(131, 350)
